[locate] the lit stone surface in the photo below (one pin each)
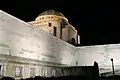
(102, 54)
(58, 20)
(23, 40)
(24, 45)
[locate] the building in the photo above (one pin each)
(28, 50)
(57, 24)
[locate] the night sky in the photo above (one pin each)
(97, 24)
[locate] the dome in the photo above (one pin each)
(51, 12)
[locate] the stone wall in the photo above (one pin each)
(24, 45)
(100, 53)
(19, 39)
(24, 40)
(65, 34)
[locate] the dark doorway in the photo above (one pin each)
(73, 41)
(50, 24)
(55, 31)
(61, 26)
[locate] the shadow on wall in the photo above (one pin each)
(72, 41)
(90, 72)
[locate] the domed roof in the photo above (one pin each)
(51, 12)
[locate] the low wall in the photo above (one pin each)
(90, 72)
(100, 53)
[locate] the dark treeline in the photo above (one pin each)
(49, 78)
(64, 78)
(116, 77)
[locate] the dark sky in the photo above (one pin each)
(96, 23)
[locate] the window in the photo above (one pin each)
(53, 72)
(49, 72)
(43, 72)
(18, 71)
(46, 72)
(61, 26)
(49, 24)
(42, 17)
(51, 16)
(32, 72)
(55, 30)
(73, 41)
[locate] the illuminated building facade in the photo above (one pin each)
(57, 24)
(26, 50)
(36, 48)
